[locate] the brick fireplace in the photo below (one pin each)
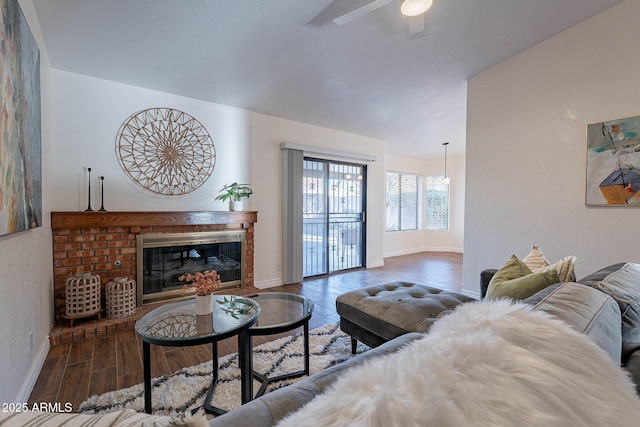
(105, 243)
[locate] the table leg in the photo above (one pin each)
(264, 379)
(245, 360)
(146, 363)
(306, 348)
(214, 359)
(214, 380)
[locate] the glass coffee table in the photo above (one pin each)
(279, 312)
(177, 325)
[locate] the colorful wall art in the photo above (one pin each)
(613, 163)
(20, 143)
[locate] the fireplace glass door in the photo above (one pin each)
(167, 256)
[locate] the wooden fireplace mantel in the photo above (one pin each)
(60, 220)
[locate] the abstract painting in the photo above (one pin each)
(20, 134)
(613, 163)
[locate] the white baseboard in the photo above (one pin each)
(474, 295)
(375, 263)
(266, 284)
(34, 372)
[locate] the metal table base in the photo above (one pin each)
(244, 342)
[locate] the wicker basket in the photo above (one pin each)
(120, 295)
(82, 295)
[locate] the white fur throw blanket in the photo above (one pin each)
(490, 363)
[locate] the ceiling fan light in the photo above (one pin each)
(415, 7)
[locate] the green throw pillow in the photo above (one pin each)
(516, 281)
(513, 269)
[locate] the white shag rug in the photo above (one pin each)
(489, 363)
(186, 389)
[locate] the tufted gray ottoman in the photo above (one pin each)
(377, 314)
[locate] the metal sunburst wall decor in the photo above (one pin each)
(165, 151)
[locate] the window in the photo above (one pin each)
(402, 201)
(437, 203)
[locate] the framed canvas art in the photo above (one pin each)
(613, 163)
(20, 144)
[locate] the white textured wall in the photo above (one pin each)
(88, 114)
(26, 275)
(526, 148)
(452, 240)
(269, 133)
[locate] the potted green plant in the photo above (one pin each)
(235, 193)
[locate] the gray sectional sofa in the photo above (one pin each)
(606, 311)
(617, 281)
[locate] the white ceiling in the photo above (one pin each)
(286, 58)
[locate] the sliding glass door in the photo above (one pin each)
(333, 216)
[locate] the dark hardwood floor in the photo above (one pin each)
(73, 372)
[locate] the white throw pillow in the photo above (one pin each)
(537, 263)
(535, 260)
(564, 267)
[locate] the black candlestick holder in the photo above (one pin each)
(102, 209)
(89, 205)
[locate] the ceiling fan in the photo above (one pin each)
(413, 9)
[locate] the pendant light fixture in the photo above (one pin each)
(415, 7)
(446, 179)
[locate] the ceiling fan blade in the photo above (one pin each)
(357, 13)
(416, 24)
(334, 10)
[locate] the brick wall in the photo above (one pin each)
(96, 249)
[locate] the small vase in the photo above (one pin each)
(204, 304)
(236, 205)
(204, 323)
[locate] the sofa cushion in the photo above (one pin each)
(587, 310)
(516, 281)
(623, 285)
(601, 274)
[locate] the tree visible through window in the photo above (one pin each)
(437, 203)
(402, 201)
